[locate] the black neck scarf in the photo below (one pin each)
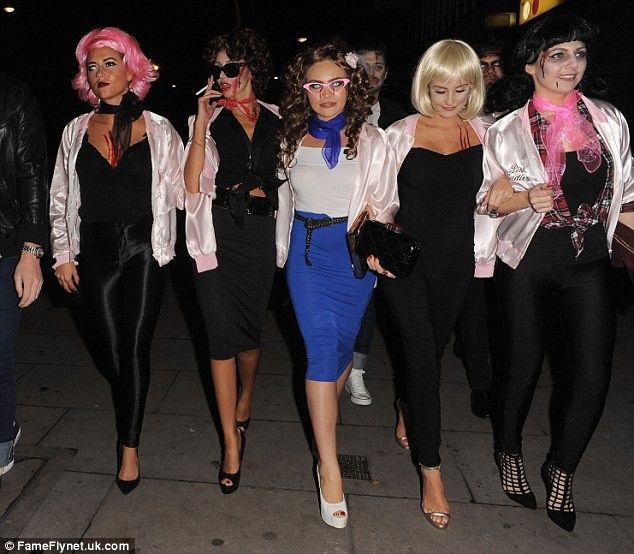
(128, 111)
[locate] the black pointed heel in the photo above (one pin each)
(126, 487)
(560, 506)
(513, 479)
(233, 477)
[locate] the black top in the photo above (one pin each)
(579, 187)
(438, 197)
(252, 163)
(122, 193)
(390, 112)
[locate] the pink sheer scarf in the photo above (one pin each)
(567, 127)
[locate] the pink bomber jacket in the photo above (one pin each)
(166, 151)
(200, 236)
(510, 150)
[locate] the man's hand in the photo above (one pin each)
(28, 279)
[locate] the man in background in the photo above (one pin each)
(373, 57)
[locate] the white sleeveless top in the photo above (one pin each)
(318, 189)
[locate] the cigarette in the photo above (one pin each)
(201, 90)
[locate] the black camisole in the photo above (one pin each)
(122, 193)
(437, 194)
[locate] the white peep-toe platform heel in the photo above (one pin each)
(329, 511)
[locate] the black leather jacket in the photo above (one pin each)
(23, 169)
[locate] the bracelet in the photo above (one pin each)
(198, 143)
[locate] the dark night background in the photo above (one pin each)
(37, 41)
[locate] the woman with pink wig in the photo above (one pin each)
(116, 185)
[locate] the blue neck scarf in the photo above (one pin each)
(331, 131)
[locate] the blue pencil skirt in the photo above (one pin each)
(329, 301)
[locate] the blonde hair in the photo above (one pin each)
(448, 60)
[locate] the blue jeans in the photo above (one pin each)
(10, 321)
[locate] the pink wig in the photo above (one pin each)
(143, 73)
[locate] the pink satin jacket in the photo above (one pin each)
(166, 151)
(510, 149)
(200, 236)
(375, 188)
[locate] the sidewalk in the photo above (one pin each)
(63, 482)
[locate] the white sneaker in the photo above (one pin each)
(356, 387)
(7, 450)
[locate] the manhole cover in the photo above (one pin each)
(354, 467)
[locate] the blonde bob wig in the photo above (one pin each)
(448, 61)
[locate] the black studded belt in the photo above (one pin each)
(316, 223)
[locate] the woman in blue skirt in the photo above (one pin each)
(336, 166)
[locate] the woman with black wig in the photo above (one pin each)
(569, 162)
(231, 157)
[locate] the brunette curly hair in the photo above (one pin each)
(295, 108)
(247, 45)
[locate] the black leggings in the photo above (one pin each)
(123, 287)
(472, 332)
(426, 306)
(578, 296)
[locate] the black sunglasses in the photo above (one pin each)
(230, 69)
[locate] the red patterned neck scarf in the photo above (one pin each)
(247, 106)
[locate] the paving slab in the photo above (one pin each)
(41, 348)
(47, 321)
(186, 395)
(603, 480)
(22, 369)
(174, 354)
(167, 516)
(381, 525)
(177, 447)
(36, 421)
(27, 486)
(13, 483)
(70, 506)
(617, 421)
(627, 523)
(277, 359)
(81, 387)
(474, 455)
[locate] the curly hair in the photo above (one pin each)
(142, 69)
(513, 91)
(247, 45)
(295, 107)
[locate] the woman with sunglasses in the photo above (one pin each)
(337, 166)
(231, 157)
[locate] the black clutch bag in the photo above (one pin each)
(396, 251)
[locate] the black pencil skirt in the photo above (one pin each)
(233, 297)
